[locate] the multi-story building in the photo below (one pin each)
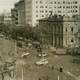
(18, 14)
(52, 31)
(38, 9)
(66, 7)
(35, 10)
(5, 18)
(1, 18)
(14, 16)
(71, 26)
(61, 31)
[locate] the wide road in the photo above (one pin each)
(27, 70)
(7, 53)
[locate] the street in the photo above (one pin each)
(26, 69)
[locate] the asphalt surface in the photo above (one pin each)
(26, 69)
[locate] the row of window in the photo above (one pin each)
(42, 7)
(70, 11)
(42, 11)
(58, 7)
(64, 2)
(55, 2)
(41, 16)
(67, 7)
(59, 11)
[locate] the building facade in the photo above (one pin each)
(52, 31)
(18, 14)
(61, 31)
(71, 27)
(5, 18)
(38, 9)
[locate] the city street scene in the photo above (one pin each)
(39, 40)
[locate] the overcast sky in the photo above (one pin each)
(6, 4)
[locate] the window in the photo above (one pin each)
(68, 6)
(36, 6)
(42, 11)
(76, 7)
(36, 2)
(76, 11)
(66, 29)
(75, 2)
(63, 2)
(63, 6)
(51, 2)
(41, 7)
(71, 6)
(59, 7)
(37, 11)
(72, 40)
(58, 2)
(54, 2)
(45, 6)
(59, 11)
(71, 29)
(36, 15)
(41, 2)
(46, 11)
(68, 2)
(42, 15)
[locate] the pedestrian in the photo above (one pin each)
(39, 79)
(52, 67)
(61, 69)
(47, 77)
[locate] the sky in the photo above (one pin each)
(7, 5)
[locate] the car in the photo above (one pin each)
(42, 54)
(25, 54)
(42, 62)
(1, 35)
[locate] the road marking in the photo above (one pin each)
(72, 75)
(58, 77)
(79, 77)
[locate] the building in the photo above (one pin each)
(71, 27)
(1, 18)
(60, 31)
(14, 17)
(66, 7)
(52, 31)
(5, 18)
(38, 9)
(34, 10)
(18, 14)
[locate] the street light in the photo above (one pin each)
(22, 68)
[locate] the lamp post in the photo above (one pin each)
(22, 68)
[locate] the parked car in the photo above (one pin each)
(42, 62)
(25, 54)
(42, 54)
(1, 35)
